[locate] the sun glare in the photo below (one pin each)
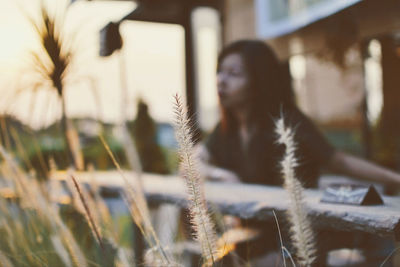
(84, 19)
(152, 57)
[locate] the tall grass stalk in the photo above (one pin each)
(201, 221)
(18, 178)
(52, 65)
(30, 225)
(280, 239)
(301, 230)
(61, 250)
(389, 256)
(136, 201)
(92, 223)
(4, 261)
(77, 256)
(99, 207)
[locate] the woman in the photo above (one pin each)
(253, 92)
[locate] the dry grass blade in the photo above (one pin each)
(98, 204)
(4, 132)
(21, 184)
(4, 261)
(301, 230)
(280, 239)
(88, 213)
(139, 210)
(60, 250)
(20, 147)
(388, 257)
(36, 218)
(201, 221)
(135, 199)
(76, 254)
(283, 248)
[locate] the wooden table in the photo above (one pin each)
(258, 202)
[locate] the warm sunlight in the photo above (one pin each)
(16, 35)
(94, 82)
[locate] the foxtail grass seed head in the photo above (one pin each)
(301, 230)
(202, 224)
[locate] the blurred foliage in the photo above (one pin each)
(144, 132)
(38, 231)
(35, 149)
(27, 238)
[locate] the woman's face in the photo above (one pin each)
(232, 82)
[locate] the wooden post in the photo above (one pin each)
(190, 65)
(366, 127)
(389, 129)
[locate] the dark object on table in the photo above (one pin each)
(352, 194)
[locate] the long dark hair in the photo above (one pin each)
(270, 87)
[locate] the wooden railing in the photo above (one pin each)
(257, 202)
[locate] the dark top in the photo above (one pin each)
(259, 164)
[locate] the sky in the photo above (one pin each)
(152, 58)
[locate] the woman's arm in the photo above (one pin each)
(346, 164)
(212, 172)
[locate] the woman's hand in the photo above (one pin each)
(343, 163)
